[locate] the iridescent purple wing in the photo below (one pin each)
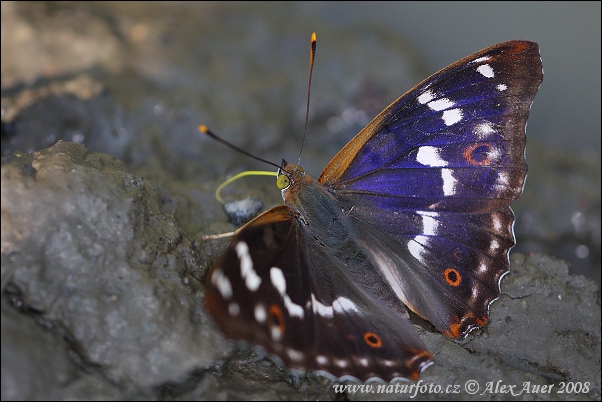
(429, 181)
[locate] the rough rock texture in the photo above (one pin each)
(101, 299)
(88, 253)
(542, 304)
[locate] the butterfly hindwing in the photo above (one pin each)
(308, 314)
(436, 170)
(448, 279)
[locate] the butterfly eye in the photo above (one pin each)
(283, 182)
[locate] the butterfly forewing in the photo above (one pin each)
(436, 171)
(244, 290)
(454, 142)
(311, 318)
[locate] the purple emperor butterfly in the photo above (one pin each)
(412, 213)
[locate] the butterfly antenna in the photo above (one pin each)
(203, 129)
(312, 55)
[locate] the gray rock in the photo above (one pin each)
(242, 211)
(86, 246)
(36, 364)
(547, 322)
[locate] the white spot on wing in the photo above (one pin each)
(495, 245)
(222, 283)
(341, 363)
(480, 59)
(341, 304)
(484, 130)
(233, 309)
(503, 179)
(452, 116)
(321, 360)
(429, 224)
(252, 280)
(425, 97)
(294, 354)
(494, 154)
(497, 223)
(429, 156)
(260, 313)
(293, 309)
(276, 333)
(440, 104)
(449, 182)
(482, 268)
(277, 278)
(474, 294)
(416, 247)
(486, 71)
(502, 87)
(321, 309)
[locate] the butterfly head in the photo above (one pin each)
(288, 175)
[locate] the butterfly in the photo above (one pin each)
(413, 213)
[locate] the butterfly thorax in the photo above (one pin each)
(311, 202)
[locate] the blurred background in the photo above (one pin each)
(135, 79)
